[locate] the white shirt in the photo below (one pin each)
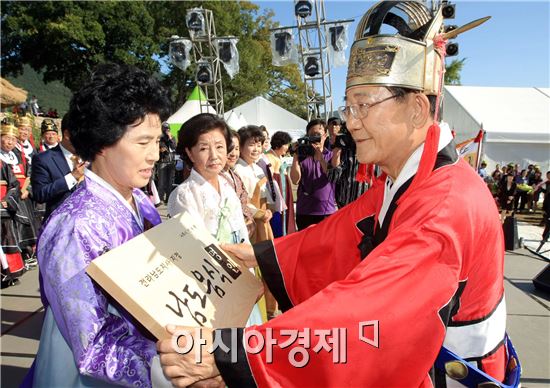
(26, 148)
(203, 202)
(409, 170)
(69, 178)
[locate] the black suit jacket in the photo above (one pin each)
(48, 178)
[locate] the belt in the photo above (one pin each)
(467, 374)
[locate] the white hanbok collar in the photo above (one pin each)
(8, 157)
(409, 170)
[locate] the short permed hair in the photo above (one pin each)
(250, 132)
(192, 129)
(280, 139)
(115, 97)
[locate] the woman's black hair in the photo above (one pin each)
(233, 134)
(192, 129)
(315, 122)
(250, 132)
(115, 97)
(280, 139)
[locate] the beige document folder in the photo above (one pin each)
(175, 273)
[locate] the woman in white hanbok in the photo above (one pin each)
(202, 143)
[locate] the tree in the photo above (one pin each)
(452, 72)
(66, 40)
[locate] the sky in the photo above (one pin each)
(511, 49)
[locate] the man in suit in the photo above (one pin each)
(50, 136)
(56, 172)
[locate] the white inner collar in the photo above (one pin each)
(409, 170)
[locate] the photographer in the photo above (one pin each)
(345, 163)
(166, 165)
(309, 171)
(334, 126)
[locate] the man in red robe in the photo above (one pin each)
(413, 268)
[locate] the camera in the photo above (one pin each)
(344, 141)
(304, 148)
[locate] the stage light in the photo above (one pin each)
(283, 43)
(451, 49)
(448, 11)
(195, 21)
(224, 48)
(283, 48)
(312, 68)
(228, 54)
(450, 28)
(179, 53)
(335, 37)
(303, 8)
(204, 72)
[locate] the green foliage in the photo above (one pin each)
(452, 71)
(65, 40)
(52, 95)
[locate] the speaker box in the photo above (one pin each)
(510, 227)
(542, 280)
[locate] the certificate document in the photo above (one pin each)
(175, 273)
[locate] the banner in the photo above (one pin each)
(470, 150)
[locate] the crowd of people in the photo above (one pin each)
(356, 247)
(23, 203)
(517, 190)
(31, 107)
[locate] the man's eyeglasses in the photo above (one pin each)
(358, 111)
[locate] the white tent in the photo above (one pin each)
(235, 120)
(195, 104)
(516, 122)
(260, 111)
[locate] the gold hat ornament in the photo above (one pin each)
(9, 129)
(413, 57)
(24, 121)
(48, 125)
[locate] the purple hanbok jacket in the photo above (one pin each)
(105, 346)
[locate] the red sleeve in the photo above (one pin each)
(301, 264)
(402, 285)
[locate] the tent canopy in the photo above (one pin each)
(512, 115)
(195, 104)
(516, 121)
(260, 111)
(235, 120)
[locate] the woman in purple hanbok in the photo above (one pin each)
(87, 340)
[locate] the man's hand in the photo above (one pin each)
(215, 382)
(24, 194)
(78, 171)
(186, 369)
(243, 252)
